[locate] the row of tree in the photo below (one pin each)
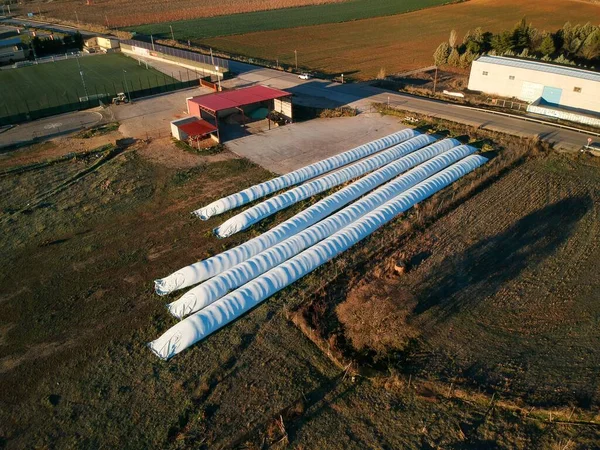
(54, 45)
(572, 44)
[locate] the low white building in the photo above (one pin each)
(544, 85)
(102, 44)
(11, 50)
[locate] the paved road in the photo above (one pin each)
(50, 127)
(328, 94)
(48, 26)
(362, 96)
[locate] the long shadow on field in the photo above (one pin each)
(462, 281)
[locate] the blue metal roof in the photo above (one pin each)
(541, 66)
(10, 42)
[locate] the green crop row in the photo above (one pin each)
(283, 18)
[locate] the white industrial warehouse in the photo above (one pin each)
(553, 90)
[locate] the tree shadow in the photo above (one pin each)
(462, 281)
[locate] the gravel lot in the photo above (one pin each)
(290, 147)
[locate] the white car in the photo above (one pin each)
(304, 76)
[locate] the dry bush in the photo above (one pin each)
(343, 111)
(381, 74)
(377, 320)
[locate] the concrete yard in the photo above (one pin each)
(151, 116)
(50, 127)
(290, 147)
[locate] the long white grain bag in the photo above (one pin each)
(305, 173)
(202, 270)
(250, 216)
(223, 311)
(206, 293)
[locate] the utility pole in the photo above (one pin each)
(77, 17)
(435, 79)
(212, 60)
(296, 58)
(8, 8)
(127, 87)
(82, 79)
(172, 35)
(107, 24)
(152, 39)
(218, 77)
(342, 78)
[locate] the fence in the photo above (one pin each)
(45, 59)
(178, 53)
(508, 104)
(76, 101)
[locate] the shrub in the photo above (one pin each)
(440, 57)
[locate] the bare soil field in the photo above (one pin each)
(78, 309)
(500, 289)
(359, 49)
(122, 12)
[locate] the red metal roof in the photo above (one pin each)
(197, 128)
(239, 97)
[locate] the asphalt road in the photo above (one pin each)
(48, 26)
(49, 127)
(361, 96)
(324, 93)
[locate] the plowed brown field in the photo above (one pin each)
(504, 290)
(124, 12)
(399, 42)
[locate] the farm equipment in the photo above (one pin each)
(593, 148)
(120, 98)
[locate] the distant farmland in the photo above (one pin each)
(122, 13)
(284, 18)
(397, 42)
(52, 84)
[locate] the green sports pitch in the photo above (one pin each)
(58, 83)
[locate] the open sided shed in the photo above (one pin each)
(193, 129)
(213, 107)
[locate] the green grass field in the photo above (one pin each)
(284, 18)
(53, 84)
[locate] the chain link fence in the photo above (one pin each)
(74, 100)
(178, 53)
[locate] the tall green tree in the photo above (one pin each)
(591, 46)
(502, 42)
(453, 38)
(547, 46)
(466, 59)
(521, 36)
(78, 40)
(440, 56)
(474, 41)
(454, 58)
